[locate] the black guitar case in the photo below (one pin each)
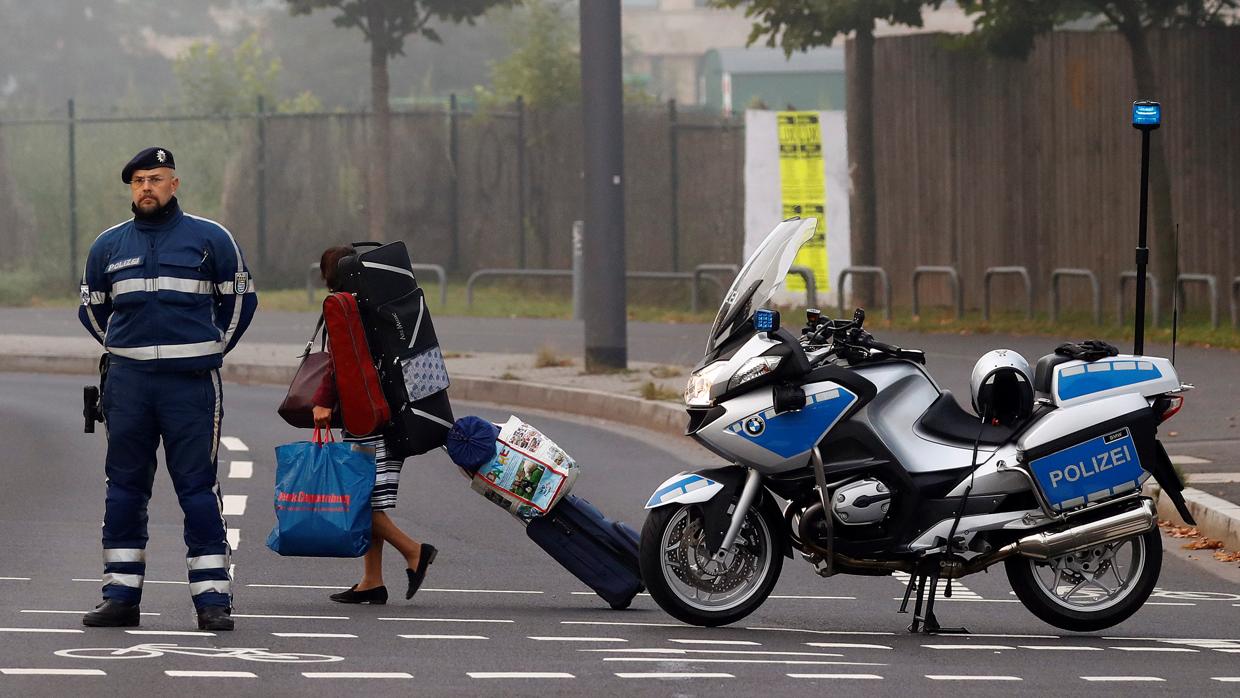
(403, 341)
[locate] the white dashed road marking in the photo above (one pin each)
(234, 504)
(834, 676)
(620, 622)
(211, 674)
(14, 579)
(356, 675)
(292, 586)
(40, 630)
(1062, 648)
(341, 635)
(483, 591)
(674, 675)
(679, 652)
(848, 645)
(232, 443)
(241, 469)
(1155, 649)
(71, 613)
(966, 677)
(739, 661)
(234, 538)
(444, 637)
(552, 638)
(54, 672)
(189, 633)
(714, 642)
(823, 632)
(452, 620)
(287, 617)
(1226, 679)
(967, 647)
(519, 675)
(1122, 679)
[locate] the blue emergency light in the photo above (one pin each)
(1146, 114)
(766, 320)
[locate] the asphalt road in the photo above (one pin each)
(494, 604)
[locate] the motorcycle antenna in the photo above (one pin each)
(1175, 294)
(1146, 117)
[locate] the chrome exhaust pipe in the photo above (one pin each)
(1043, 546)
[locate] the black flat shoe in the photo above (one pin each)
(112, 614)
(215, 618)
(425, 558)
(376, 596)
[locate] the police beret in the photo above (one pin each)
(147, 159)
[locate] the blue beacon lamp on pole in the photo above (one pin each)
(1146, 116)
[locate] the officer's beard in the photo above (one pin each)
(156, 215)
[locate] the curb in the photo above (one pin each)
(1216, 518)
(661, 417)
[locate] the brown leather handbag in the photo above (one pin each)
(297, 408)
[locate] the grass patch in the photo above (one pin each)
(667, 372)
(653, 391)
(548, 358)
(509, 376)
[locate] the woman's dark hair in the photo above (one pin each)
(327, 264)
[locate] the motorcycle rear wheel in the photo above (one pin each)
(683, 579)
(1089, 589)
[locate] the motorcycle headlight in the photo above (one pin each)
(697, 392)
(753, 369)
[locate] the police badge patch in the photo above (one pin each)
(241, 283)
(84, 290)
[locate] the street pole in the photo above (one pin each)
(1146, 116)
(602, 112)
(260, 185)
(73, 267)
(454, 184)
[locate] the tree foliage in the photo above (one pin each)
(215, 80)
(399, 18)
(799, 25)
(544, 67)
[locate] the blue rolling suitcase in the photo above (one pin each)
(599, 552)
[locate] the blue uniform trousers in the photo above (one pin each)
(183, 409)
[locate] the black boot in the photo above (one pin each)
(112, 614)
(215, 618)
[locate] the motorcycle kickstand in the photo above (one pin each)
(928, 624)
(908, 591)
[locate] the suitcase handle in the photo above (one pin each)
(364, 243)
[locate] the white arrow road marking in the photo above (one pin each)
(519, 675)
(234, 504)
(356, 675)
(674, 675)
(232, 443)
(211, 674)
(54, 672)
(241, 469)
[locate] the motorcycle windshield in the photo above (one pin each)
(762, 275)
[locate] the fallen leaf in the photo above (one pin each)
(1224, 556)
(1204, 544)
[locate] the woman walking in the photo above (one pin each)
(418, 556)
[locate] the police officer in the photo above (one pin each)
(167, 294)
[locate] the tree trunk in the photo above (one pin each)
(863, 207)
(380, 135)
(1162, 228)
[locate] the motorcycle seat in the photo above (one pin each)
(945, 418)
(1045, 370)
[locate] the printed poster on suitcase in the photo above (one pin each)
(529, 473)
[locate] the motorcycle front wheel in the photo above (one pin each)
(1090, 589)
(688, 583)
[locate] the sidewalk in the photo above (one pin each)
(516, 380)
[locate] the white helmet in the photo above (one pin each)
(1001, 387)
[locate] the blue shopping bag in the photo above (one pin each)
(322, 498)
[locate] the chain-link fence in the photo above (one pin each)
(467, 190)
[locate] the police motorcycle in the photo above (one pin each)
(845, 451)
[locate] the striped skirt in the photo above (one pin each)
(387, 471)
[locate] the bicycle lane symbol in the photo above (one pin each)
(152, 650)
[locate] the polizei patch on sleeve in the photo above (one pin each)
(1092, 471)
(122, 264)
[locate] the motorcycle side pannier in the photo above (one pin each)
(406, 349)
(1097, 463)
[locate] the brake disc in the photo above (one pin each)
(694, 566)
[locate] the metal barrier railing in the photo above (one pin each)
(876, 271)
(952, 275)
(1211, 283)
(1235, 302)
(1022, 272)
(701, 269)
(811, 284)
(1057, 274)
(313, 277)
(1151, 281)
(691, 277)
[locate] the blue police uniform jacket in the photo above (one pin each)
(167, 295)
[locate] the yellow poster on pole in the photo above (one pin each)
(802, 188)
